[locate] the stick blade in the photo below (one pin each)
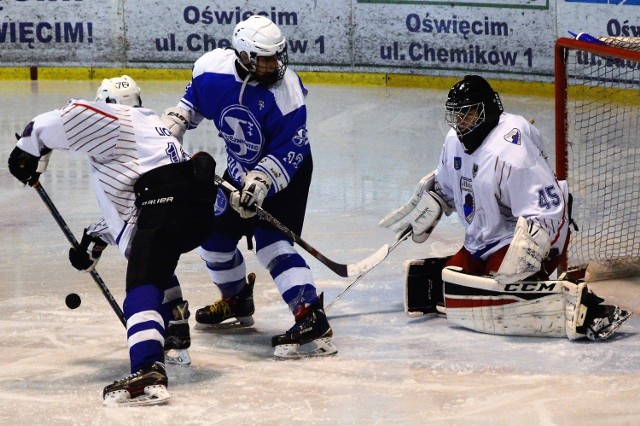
(369, 263)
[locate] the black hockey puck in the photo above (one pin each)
(72, 300)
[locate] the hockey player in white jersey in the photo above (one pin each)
(156, 204)
(258, 106)
(493, 172)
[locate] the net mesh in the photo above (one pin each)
(603, 156)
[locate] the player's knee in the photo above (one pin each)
(465, 260)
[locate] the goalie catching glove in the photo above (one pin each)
(421, 213)
(528, 249)
(86, 258)
(255, 190)
(177, 121)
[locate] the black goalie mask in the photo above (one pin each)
(473, 109)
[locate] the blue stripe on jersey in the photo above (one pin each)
(479, 253)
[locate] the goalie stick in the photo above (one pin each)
(343, 270)
(72, 239)
(402, 238)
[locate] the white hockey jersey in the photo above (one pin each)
(121, 142)
(506, 177)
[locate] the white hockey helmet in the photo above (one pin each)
(259, 36)
(119, 90)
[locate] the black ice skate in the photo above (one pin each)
(177, 338)
(147, 386)
(309, 337)
(239, 309)
(607, 322)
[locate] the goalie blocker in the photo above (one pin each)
(423, 291)
(525, 308)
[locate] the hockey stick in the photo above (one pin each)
(402, 238)
(344, 270)
(72, 239)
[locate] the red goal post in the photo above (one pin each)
(597, 100)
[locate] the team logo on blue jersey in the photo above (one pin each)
(242, 133)
(222, 203)
(301, 138)
(469, 206)
(457, 163)
(514, 137)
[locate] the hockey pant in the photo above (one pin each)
(175, 216)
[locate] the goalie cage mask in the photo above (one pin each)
(472, 109)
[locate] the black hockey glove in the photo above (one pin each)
(24, 166)
(86, 259)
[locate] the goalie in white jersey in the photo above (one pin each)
(156, 204)
(258, 106)
(493, 172)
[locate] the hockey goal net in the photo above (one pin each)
(597, 89)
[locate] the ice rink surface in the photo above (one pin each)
(371, 146)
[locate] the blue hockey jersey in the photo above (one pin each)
(264, 128)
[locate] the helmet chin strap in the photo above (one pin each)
(243, 71)
(241, 59)
(244, 85)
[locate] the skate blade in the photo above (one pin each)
(178, 357)
(153, 395)
(416, 312)
(614, 327)
(316, 348)
(229, 324)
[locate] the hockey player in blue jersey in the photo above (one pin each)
(258, 106)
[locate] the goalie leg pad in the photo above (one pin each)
(529, 247)
(575, 311)
(528, 308)
(534, 308)
(423, 285)
(586, 314)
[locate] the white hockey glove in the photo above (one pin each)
(529, 247)
(91, 248)
(177, 121)
(421, 213)
(255, 189)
